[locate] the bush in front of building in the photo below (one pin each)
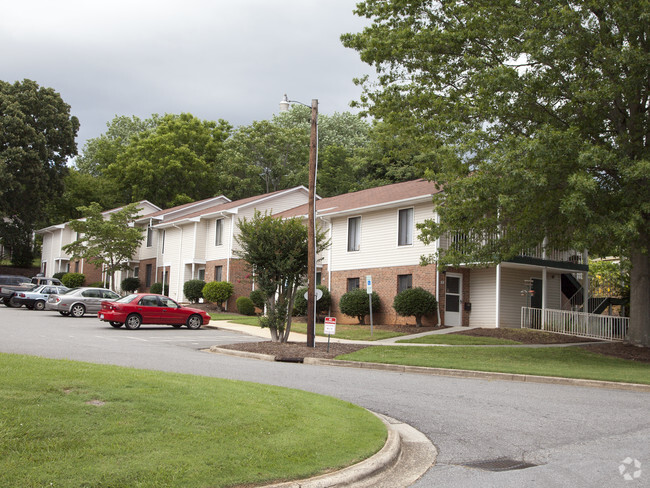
(245, 306)
(59, 275)
(193, 290)
(355, 303)
(73, 280)
(415, 302)
(130, 285)
(97, 284)
(158, 288)
(322, 305)
(218, 292)
(257, 296)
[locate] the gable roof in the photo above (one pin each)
(232, 207)
(381, 196)
(185, 208)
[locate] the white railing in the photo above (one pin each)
(575, 323)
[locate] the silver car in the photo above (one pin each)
(79, 301)
(36, 298)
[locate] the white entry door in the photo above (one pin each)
(453, 294)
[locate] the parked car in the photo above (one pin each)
(12, 283)
(80, 301)
(39, 279)
(36, 298)
(146, 308)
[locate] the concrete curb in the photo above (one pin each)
(456, 373)
(366, 471)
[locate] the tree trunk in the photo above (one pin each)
(638, 333)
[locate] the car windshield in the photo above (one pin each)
(126, 299)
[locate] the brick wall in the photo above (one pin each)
(385, 283)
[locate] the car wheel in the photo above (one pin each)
(77, 310)
(39, 305)
(177, 326)
(194, 321)
(13, 303)
(117, 325)
(133, 321)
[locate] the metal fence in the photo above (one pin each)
(581, 324)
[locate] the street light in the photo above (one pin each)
(311, 225)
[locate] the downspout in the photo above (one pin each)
(230, 242)
(438, 273)
(544, 278)
(498, 297)
(181, 266)
(585, 284)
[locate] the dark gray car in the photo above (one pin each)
(79, 301)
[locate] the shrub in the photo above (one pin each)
(73, 280)
(59, 275)
(322, 305)
(415, 302)
(245, 306)
(218, 291)
(158, 288)
(355, 303)
(257, 296)
(130, 285)
(193, 290)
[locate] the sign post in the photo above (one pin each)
(329, 329)
(369, 292)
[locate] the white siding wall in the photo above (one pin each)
(378, 246)
(213, 252)
(482, 293)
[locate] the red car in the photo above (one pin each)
(146, 308)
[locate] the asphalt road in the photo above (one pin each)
(576, 436)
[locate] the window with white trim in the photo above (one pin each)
(149, 236)
(354, 234)
(405, 227)
(218, 232)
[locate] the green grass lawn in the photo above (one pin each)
(350, 332)
(567, 362)
(459, 339)
(65, 423)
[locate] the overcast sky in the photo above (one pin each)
(213, 58)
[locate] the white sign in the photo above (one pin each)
(330, 325)
(369, 284)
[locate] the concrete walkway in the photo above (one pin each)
(392, 341)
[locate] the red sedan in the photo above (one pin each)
(145, 308)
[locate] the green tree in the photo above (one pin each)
(356, 303)
(416, 302)
(277, 250)
(218, 291)
(37, 136)
(534, 117)
(108, 242)
(176, 161)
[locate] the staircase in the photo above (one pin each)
(572, 290)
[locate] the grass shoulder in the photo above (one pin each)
(67, 423)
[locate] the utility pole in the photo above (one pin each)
(311, 228)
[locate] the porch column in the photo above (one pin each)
(544, 295)
(498, 297)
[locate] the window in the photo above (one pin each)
(354, 233)
(405, 227)
(202, 274)
(353, 284)
(319, 277)
(149, 236)
(218, 233)
(404, 282)
(217, 273)
(136, 271)
(147, 275)
(162, 239)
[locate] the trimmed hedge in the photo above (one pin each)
(322, 305)
(158, 288)
(355, 303)
(416, 302)
(193, 290)
(218, 291)
(130, 285)
(73, 280)
(257, 296)
(245, 306)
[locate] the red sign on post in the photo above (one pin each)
(330, 325)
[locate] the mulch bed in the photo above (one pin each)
(296, 350)
(525, 336)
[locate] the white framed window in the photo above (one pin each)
(354, 234)
(162, 241)
(136, 271)
(218, 232)
(405, 227)
(201, 274)
(149, 236)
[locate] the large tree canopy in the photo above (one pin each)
(37, 136)
(534, 115)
